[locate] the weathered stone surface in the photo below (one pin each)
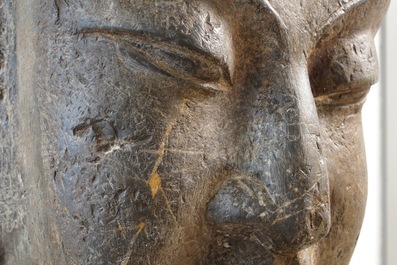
(183, 132)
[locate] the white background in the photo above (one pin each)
(390, 145)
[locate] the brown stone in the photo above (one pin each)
(182, 131)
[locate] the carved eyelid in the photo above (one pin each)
(344, 97)
(343, 70)
(176, 60)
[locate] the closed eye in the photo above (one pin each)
(179, 61)
(343, 97)
(342, 70)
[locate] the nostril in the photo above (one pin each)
(316, 220)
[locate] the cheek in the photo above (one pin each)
(128, 152)
(345, 155)
(343, 148)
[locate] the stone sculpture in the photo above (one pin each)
(184, 132)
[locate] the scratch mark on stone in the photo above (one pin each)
(191, 226)
(246, 188)
(304, 173)
(154, 180)
(129, 252)
(167, 202)
(173, 150)
(260, 242)
(285, 217)
(306, 193)
(190, 152)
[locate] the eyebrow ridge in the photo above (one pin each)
(155, 40)
(345, 7)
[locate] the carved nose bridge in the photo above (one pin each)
(280, 187)
(301, 182)
(299, 160)
(283, 136)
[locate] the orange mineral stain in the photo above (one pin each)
(154, 183)
(140, 227)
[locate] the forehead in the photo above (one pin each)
(306, 15)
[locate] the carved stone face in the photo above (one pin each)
(204, 132)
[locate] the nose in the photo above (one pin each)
(280, 186)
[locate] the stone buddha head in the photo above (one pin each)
(195, 132)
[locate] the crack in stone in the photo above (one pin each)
(134, 238)
(154, 180)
